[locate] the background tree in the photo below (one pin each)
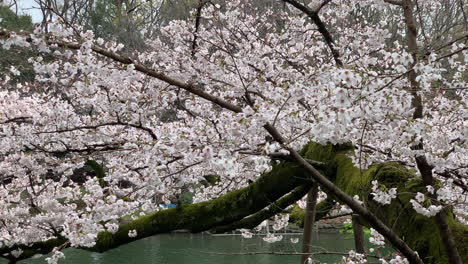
(16, 57)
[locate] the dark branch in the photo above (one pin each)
(394, 2)
(313, 15)
(143, 69)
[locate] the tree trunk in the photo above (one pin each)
(423, 166)
(309, 222)
(358, 232)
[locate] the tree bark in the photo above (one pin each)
(309, 222)
(358, 232)
(423, 166)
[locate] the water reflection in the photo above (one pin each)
(96, 258)
(206, 249)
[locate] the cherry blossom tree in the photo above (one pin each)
(266, 105)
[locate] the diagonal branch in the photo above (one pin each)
(313, 15)
(143, 69)
(275, 208)
(330, 187)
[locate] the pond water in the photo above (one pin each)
(207, 249)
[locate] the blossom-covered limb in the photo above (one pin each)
(143, 69)
(277, 207)
(198, 217)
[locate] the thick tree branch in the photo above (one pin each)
(330, 187)
(223, 211)
(275, 208)
(313, 15)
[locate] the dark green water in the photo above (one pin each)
(206, 249)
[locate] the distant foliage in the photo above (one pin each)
(11, 21)
(16, 56)
(115, 22)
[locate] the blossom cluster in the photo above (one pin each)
(157, 141)
(376, 238)
(429, 211)
(354, 258)
(381, 196)
(395, 260)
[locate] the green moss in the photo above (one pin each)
(297, 215)
(418, 231)
(41, 248)
(460, 234)
(106, 239)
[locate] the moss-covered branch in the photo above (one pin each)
(222, 211)
(286, 183)
(355, 205)
(418, 231)
(275, 208)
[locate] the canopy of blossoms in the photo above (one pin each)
(189, 107)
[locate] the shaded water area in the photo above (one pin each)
(207, 249)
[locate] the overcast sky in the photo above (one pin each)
(30, 7)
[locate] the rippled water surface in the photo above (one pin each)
(206, 249)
